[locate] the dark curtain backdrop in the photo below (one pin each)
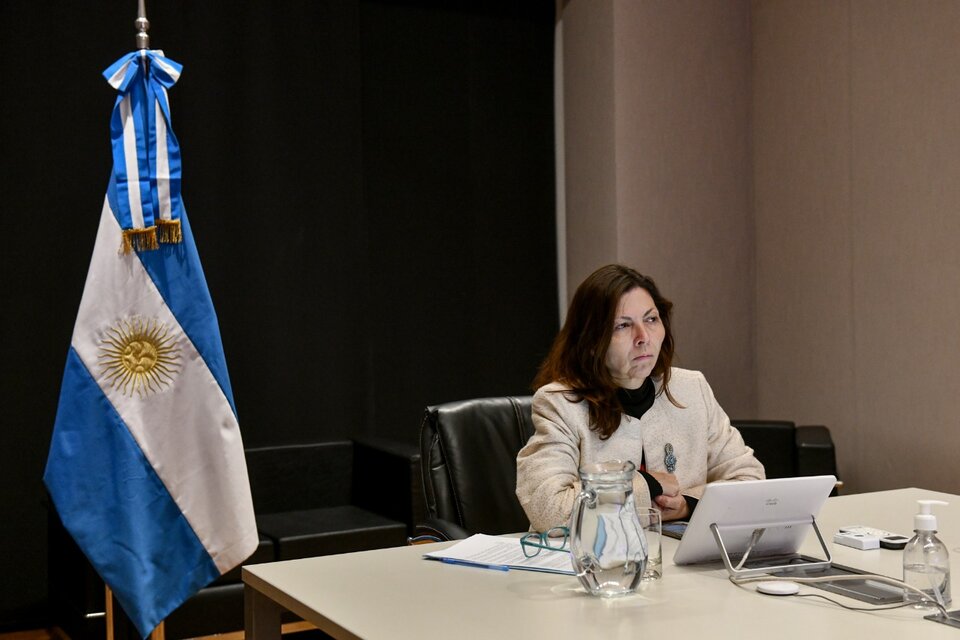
(371, 189)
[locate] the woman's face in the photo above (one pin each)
(637, 336)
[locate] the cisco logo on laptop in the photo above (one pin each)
(771, 502)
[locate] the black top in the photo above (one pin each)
(635, 403)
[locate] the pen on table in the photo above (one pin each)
(479, 565)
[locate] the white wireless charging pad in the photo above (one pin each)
(778, 588)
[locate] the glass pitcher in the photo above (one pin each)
(607, 544)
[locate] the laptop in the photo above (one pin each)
(781, 510)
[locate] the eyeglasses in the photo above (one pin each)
(553, 540)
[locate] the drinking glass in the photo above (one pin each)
(650, 522)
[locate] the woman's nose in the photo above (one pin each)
(640, 336)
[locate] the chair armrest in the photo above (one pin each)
(386, 479)
(440, 528)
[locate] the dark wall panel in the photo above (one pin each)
(458, 152)
(280, 135)
(371, 189)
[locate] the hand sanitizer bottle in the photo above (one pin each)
(926, 564)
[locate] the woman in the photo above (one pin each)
(607, 391)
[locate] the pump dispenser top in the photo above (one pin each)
(925, 520)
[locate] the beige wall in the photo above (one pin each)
(590, 147)
(657, 153)
(789, 171)
(857, 177)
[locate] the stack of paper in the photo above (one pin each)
(503, 554)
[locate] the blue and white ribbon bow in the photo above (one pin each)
(146, 155)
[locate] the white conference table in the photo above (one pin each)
(394, 593)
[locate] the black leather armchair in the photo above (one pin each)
(787, 450)
(310, 500)
(468, 457)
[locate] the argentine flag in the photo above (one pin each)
(146, 466)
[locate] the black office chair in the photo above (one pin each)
(787, 450)
(468, 458)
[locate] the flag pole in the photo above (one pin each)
(142, 24)
(143, 44)
(108, 597)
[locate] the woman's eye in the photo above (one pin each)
(620, 325)
(653, 319)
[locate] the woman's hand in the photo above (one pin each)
(672, 507)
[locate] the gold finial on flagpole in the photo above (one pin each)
(142, 24)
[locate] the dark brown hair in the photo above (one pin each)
(577, 358)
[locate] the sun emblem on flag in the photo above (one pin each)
(139, 356)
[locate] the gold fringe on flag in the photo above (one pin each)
(168, 232)
(139, 240)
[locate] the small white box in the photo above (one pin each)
(860, 541)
